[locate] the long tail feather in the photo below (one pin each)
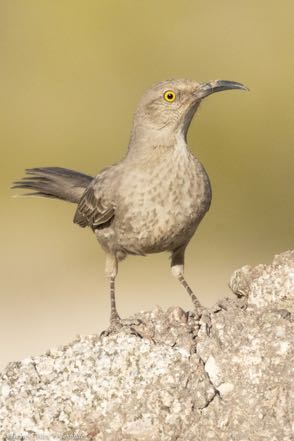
(54, 182)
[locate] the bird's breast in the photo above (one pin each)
(161, 204)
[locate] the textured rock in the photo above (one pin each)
(228, 377)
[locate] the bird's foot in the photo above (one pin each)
(198, 311)
(117, 325)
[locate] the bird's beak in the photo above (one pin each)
(205, 89)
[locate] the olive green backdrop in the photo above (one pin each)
(71, 74)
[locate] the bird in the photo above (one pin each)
(154, 198)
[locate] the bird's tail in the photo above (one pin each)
(54, 182)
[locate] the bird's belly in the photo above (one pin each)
(161, 233)
(158, 208)
(160, 223)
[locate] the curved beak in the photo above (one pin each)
(206, 89)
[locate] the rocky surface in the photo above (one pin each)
(229, 376)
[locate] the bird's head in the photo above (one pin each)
(167, 108)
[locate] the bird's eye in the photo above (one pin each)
(169, 96)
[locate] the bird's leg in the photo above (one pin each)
(114, 316)
(116, 323)
(111, 267)
(177, 267)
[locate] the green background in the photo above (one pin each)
(71, 75)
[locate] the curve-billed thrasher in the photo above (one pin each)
(154, 198)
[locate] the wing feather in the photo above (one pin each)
(93, 210)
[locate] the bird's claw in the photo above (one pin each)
(118, 324)
(198, 311)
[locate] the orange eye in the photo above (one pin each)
(169, 96)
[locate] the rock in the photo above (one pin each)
(267, 284)
(227, 377)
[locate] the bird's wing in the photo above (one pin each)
(93, 209)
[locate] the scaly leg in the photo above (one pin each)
(114, 316)
(116, 323)
(111, 267)
(177, 267)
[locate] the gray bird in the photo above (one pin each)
(155, 197)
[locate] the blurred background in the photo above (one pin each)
(71, 75)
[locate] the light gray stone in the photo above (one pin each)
(228, 377)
